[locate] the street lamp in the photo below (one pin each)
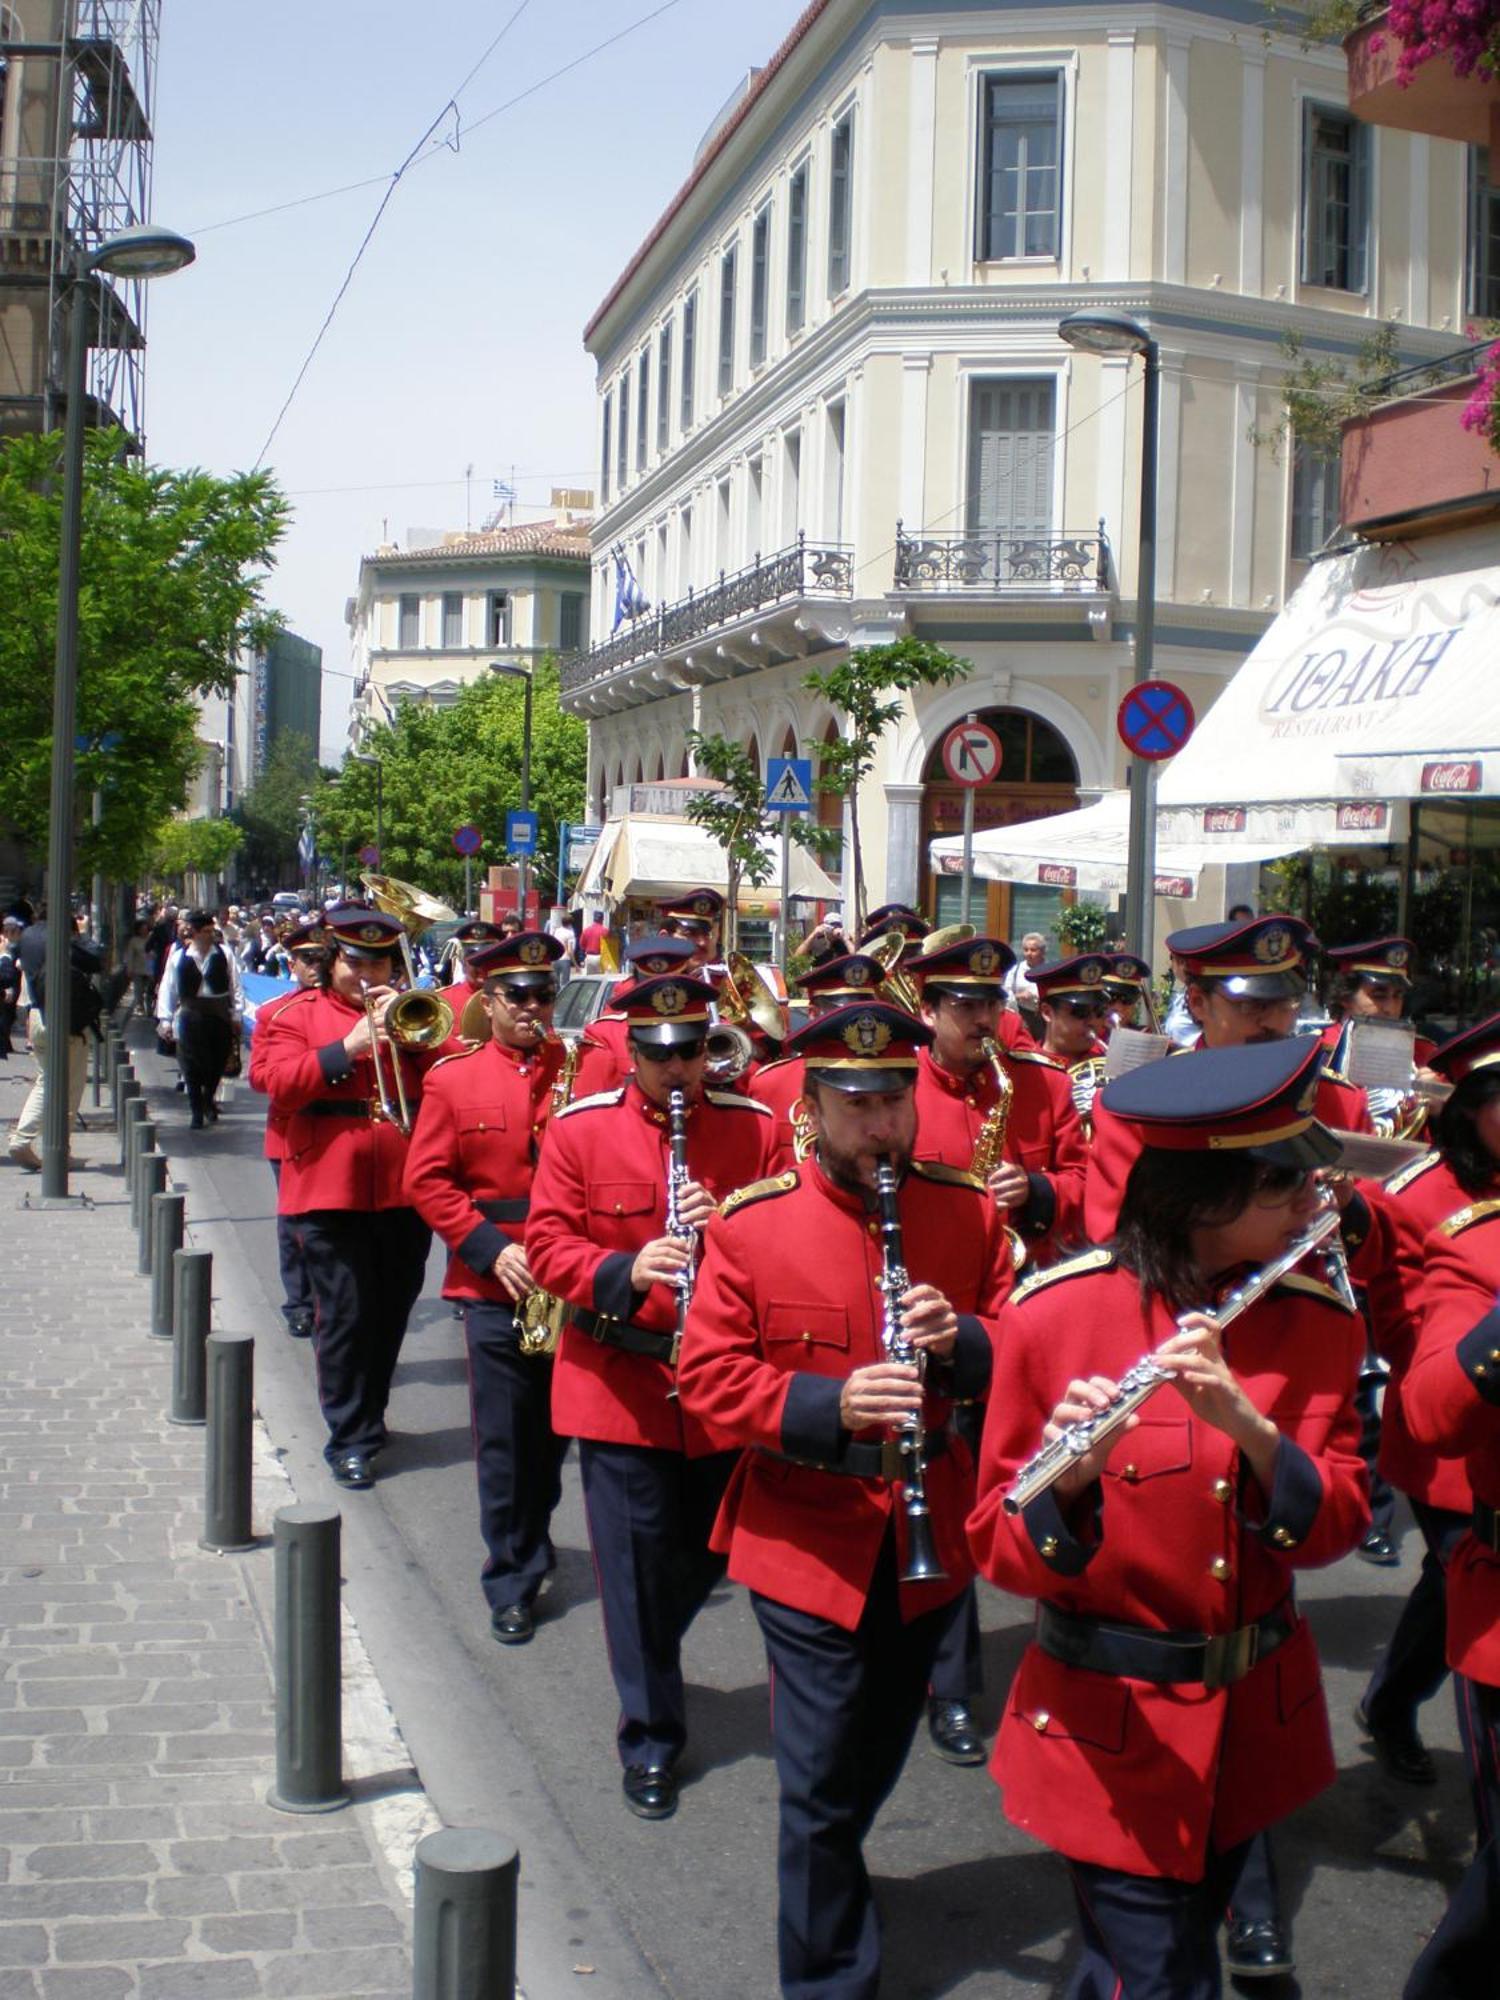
(369, 757)
(523, 872)
(141, 252)
(1101, 331)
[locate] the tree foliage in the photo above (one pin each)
(271, 811)
(1320, 394)
(735, 816)
(195, 847)
(172, 567)
(443, 767)
(861, 689)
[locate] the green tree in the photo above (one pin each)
(1320, 394)
(195, 847)
(1082, 927)
(172, 568)
(860, 689)
(271, 811)
(735, 816)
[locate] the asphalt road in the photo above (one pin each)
(970, 1907)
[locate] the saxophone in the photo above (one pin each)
(540, 1315)
(989, 1141)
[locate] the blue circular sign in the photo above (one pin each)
(1154, 720)
(467, 838)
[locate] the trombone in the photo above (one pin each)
(414, 1020)
(744, 1002)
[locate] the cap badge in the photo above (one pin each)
(1091, 972)
(371, 934)
(1273, 944)
(656, 962)
(1397, 955)
(532, 952)
(984, 959)
(857, 975)
(866, 1035)
(702, 906)
(669, 1000)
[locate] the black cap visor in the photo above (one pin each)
(887, 1081)
(1259, 985)
(689, 1036)
(1307, 1150)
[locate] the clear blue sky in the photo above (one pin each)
(460, 338)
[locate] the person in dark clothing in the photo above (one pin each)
(199, 1006)
(83, 1020)
(10, 981)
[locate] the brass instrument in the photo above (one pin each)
(541, 1315)
(730, 1053)
(416, 1019)
(989, 1141)
(743, 1003)
(887, 950)
(922, 1564)
(1137, 1384)
(412, 908)
(1085, 1079)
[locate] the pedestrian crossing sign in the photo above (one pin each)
(788, 784)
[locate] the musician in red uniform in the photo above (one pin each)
(696, 916)
(1074, 1004)
(307, 954)
(834, 982)
(1452, 1403)
(784, 1357)
(604, 1059)
(1462, 1168)
(1127, 988)
(468, 1174)
(1169, 1708)
(598, 1238)
(1371, 982)
(470, 937)
(365, 1246)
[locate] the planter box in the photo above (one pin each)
(1435, 101)
(1409, 467)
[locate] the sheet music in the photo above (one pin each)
(1133, 1048)
(1370, 1158)
(1381, 1054)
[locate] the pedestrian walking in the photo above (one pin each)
(83, 1022)
(198, 1009)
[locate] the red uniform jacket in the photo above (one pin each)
(604, 1061)
(275, 1142)
(787, 1305)
(1178, 1537)
(1452, 1399)
(1042, 1134)
(600, 1194)
(1011, 1032)
(778, 1085)
(473, 1153)
(1115, 1148)
(337, 1155)
(1409, 1206)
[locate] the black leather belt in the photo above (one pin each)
(1136, 1653)
(626, 1335)
(862, 1459)
(505, 1211)
(1486, 1525)
(336, 1107)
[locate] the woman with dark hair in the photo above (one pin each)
(1169, 1708)
(1462, 1168)
(200, 1005)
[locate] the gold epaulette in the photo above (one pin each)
(1465, 1218)
(779, 1062)
(1075, 1267)
(457, 1055)
(594, 1102)
(1038, 1056)
(937, 1170)
(269, 1009)
(757, 1191)
(1314, 1288)
(731, 1100)
(1412, 1171)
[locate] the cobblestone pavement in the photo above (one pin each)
(138, 1860)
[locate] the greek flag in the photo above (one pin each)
(306, 846)
(630, 600)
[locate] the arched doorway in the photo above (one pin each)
(1038, 776)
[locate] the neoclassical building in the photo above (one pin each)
(834, 407)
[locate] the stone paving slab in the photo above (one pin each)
(138, 1860)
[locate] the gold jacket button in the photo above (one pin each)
(619, 1208)
(1283, 1538)
(1049, 1545)
(1495, 1354)
(1218, 1569)
(1131, 1473)
(1223, 1491)
(1479, 1368)
(1040, 1720)
(806, 1335)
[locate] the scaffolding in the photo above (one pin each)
(77, 92)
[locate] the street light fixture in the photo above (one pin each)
(140, 252)
(523, 871)
(1098, 330)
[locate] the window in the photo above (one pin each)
(497, 618)
(622, 435)
(834, 474)
(1484, 237)
(1010, 459)
(791, 488)
(1335, 198)
(796, 249)
(642, 394)
(689, 357)
(1019, 174)
(760, 256)
(754, 489)
(840, 204)
(453, 619)
(685, 552)
(664, 387)
(604, 442)
(570, 621)
(1315, 500)
(726, 320)
(724, 496)
(410, 623)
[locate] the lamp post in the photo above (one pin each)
(143, 252)
(523, 872)
(1104, 332)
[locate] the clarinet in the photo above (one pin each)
(677, 1180)
(922, 1565)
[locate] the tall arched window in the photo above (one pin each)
(1038, 776)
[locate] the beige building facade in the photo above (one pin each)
(833, 405)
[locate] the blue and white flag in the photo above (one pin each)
(307, 846)
(630, 600)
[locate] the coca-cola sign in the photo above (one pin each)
(1456, 775)
(1224, 819)
(1179, 886)
(1053, 875)
(1365, 818)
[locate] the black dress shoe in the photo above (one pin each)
(1378, 1548)
(1401, 1751)
(514, 1625)
(353, 1470)
(650, 1790)
(1258, 1951)
(300, 1325)
(954, 1732)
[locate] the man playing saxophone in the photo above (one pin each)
(468, 1174)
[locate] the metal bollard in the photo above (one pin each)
(226, 1459)
(132, 1109)
(145, 1147)
(132, 1159)
(192, 1286)
(168, 1219)
(465, 1944)
(151, 1181)
(309, 1700)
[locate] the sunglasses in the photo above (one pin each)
(517, 996)
(651, 1053)
(1085, 1010)
(1274, 1185)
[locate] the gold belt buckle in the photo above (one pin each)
(1229, 1656)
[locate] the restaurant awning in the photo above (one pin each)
(1379, 682)
(647, 856)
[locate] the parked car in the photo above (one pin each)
(582, 1000)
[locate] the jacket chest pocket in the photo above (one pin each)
(476, 1121)
(1155, 1447)
(807, 1335)
(622, 1198)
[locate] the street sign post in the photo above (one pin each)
(1154, 720)
(788, 791)
(520, 833)
(370, 857)
(468, 840)
(971, 757)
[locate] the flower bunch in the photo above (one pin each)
(1482, 411)
(1467, 32)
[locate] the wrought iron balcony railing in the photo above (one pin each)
(1010, 564)
(803, 570)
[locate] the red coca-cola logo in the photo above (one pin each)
(1465, 776)
(1224, 819)
(1363, 818)
(1056, 876)
(1174, 885)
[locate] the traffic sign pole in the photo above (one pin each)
(966, 897)
(971, 756)
(468, 883)
(786, 889)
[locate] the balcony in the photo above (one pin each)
(1435, 101)
(1002, 565)
(781, 607)
(1408, 466)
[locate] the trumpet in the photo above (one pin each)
(414, 1020)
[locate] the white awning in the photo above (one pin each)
(655, 857)
(1377, 683)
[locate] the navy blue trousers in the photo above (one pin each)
(1460, 1961)
(958, 1670)
(1415, 1663)
(1147, 1938)
(366, 1270)
(844, 1707)
(517, 1455)
(1367, 1402)
(296, 1292)
(650, 1513)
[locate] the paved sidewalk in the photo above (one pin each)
(140, 1861)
